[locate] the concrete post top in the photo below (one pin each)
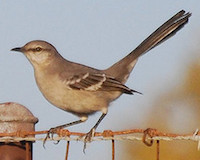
(14, 112)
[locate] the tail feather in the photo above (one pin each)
(122, 68)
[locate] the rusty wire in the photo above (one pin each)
(67, 150)
(105, 133)
(148, 136)
(157, 150)
(113, 149)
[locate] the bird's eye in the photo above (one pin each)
(38, 49)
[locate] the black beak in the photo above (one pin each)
(18, 49)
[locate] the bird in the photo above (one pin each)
(83, 90)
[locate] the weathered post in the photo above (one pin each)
(15, 118)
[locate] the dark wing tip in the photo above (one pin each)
(134, 91)
(183, 13)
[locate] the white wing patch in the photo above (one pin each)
(97, 85)
(76, 79)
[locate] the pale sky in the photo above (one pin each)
(95, 33)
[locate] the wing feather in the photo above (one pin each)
(97, 82)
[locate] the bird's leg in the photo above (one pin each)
(53, 130)
(90, 134)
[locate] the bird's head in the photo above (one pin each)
(38, 52)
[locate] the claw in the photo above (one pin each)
(57, 142)
(88, 138)
(45, 139)
(50, 132)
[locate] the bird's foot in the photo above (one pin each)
(50, 134)
(88, 138)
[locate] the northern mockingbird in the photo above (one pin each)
(83, 90)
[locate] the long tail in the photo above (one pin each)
(122, 68)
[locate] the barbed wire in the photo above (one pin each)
(64, 134)
(148, 136)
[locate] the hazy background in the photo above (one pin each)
(98, 33)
